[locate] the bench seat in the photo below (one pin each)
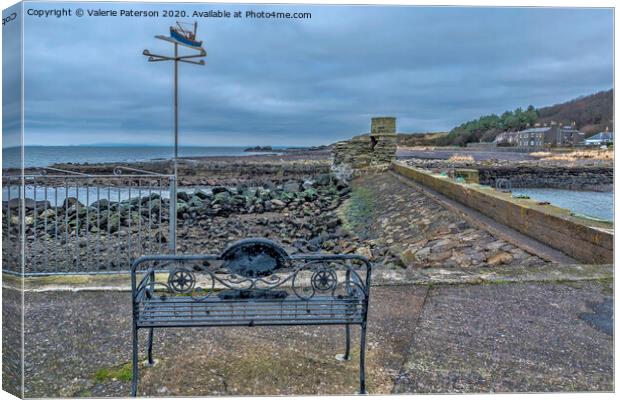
(185, 311)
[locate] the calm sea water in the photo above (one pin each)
(594, 204)
(43, 156)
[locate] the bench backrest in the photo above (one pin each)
(251, 269)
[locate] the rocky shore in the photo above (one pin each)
(596, 179)
(101, 235)
(591, 176)
(297, 200)
(251, 170)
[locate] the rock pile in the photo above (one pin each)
(410, 230)
(322, 194)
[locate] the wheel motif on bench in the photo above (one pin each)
(181, 280)
(324, 280)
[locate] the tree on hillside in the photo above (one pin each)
(591, 114)
(487, 127)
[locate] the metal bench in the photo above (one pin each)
(254, 282)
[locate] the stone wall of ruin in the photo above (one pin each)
(375, 148)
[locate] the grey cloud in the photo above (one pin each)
(312, 81)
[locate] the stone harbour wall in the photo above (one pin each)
(571, 178)
(590, 242)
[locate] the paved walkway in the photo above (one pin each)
(446, 338)
(512, 338)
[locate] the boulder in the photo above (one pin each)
(287, 197)
(310, 194)
(408, 257)
(500, 257)
(195, 201)
(113, 222)
(100, 204)
(423, 253)
(182, 208)
(364, 251)
(437, 257)
(291, 186)
(443, 245)
(203, 195)
(324, 180)
(155, 205)
(49, 213)
(333, 223)
(146, 199)
(222, 198)
(184, 196)
(70, 202)
(308, 184)
(13, 203)
(220, 189)
(81, 210)
(278, 203)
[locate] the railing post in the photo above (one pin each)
(172, 219)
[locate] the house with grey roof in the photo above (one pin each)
(538, 137)
(600, 138)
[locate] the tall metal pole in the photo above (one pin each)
(176, 107)
(176, 144)
(190, 59)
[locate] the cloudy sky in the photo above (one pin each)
(304, 82)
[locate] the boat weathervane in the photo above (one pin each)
(179, 35)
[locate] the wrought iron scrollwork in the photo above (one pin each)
(299, 277)
(181, 280)
(324, 280)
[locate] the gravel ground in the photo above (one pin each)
(71, 338)
(11, 341)
(512, 338)
(534, 337)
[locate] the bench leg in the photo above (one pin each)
(347, 349)
(363, 360)
(134, 372)
(150, 348)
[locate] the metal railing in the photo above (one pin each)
(69, 222)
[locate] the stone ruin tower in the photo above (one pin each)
(375, 148)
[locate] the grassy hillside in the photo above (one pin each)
(592, 113)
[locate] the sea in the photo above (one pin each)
(593, 204)
(43, 156)
(598, 205)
